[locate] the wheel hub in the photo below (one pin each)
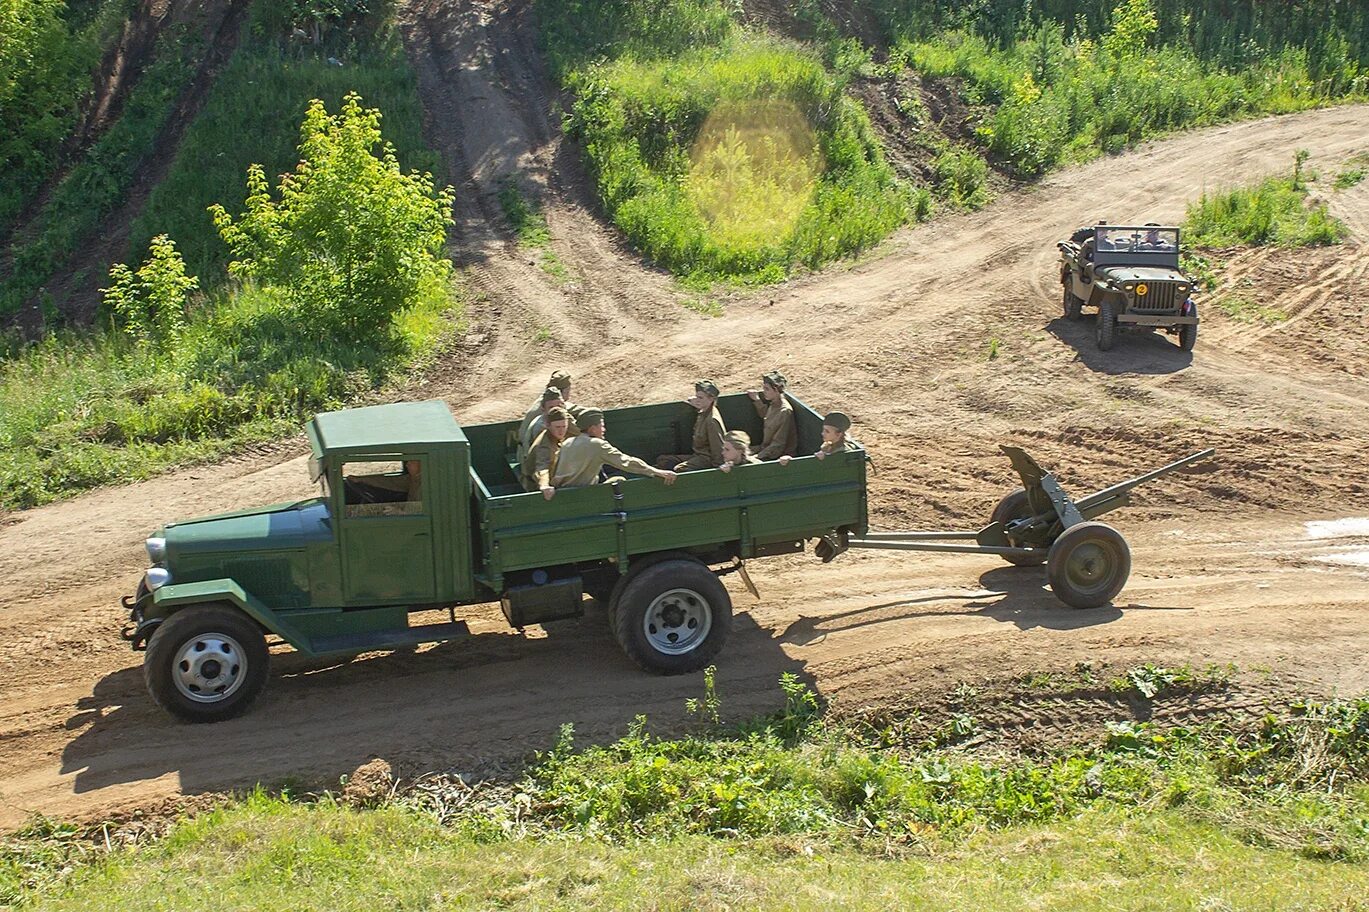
(1090, 566)
(677, 621)
(209, 668)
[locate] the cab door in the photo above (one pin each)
(386, 545)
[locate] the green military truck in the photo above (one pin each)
(332, 576)
(1131, 274)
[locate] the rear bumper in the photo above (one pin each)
(1157, 319)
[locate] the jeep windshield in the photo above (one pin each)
(1146, 239)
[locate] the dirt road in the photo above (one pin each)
(1227, 568)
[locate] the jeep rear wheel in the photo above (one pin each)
(1107, 325)
(206, 663)
(672, 617)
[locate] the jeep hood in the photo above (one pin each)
(275, 528)
(1141, 274)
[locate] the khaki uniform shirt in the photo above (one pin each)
(781, 435)
(708, 441)
(580, 460)
(534, 422)
(540, 463)
(847, 445)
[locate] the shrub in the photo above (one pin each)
(1275, 212)
(352, 239)
(150, 303)
(960, 178)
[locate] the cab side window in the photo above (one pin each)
(392, 487)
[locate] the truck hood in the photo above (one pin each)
(1141, 274)
(275, 528)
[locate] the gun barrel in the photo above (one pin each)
(1121, 487)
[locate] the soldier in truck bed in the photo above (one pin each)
(582, 459)
(561, 381)
(779, 435)
(708, 433)
(540, 462)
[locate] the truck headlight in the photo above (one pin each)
(157, 577)
(156, 549)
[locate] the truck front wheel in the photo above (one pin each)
(206, 663)
(673, 617)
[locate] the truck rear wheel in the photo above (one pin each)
(206, 663)
(1016, 506)
(672, 617)
(1089, 564)
(1107, 325)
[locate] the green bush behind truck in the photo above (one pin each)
(328, 577)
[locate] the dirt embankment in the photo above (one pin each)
(946, 341)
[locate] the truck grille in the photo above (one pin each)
(1161, 298)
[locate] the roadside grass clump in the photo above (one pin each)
(96, 185)
(722, 155)
(1276, 212)
(530, 227)
(1244, 309)
(1055, 100)
(343, 285)
(251, 116)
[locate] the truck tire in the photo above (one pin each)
(1016, 506)
(672, 617)
(206, 663)
(1089, 564)
(1188, 335)
(1073, 303)
(1107, 325)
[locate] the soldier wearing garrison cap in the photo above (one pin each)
(737, 450)
(541, 461)
(582, 459)
(551, 399)
(708, 432)
(779, 435)
(835, 437)
(560, 381)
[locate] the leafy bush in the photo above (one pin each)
(150, 302)
(961, 176)
(353, 239)
(1275, 212)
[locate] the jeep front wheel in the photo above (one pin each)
(206, 663)
(673, 617)
(1107, 325)
(1188, 334)
(1073, 303)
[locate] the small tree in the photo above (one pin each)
(149, 303)
(1133, 24)
(353, 239)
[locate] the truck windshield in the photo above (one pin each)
(1139, 240)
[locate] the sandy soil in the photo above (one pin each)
(1226, 567)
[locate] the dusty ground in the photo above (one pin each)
(1226, 567)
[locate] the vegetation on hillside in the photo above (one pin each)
(1055, 97)
(1276, 211)
(178, 378)
(841, 813)
(48, 50)
(722, 155)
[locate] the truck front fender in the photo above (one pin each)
(172, 597)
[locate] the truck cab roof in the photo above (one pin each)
(383, 428)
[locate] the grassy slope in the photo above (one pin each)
(267, 855)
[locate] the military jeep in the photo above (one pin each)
(1131, 275)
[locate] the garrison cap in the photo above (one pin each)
(839, 420)
(739, 439)
(706, 386)
(551, 394)
(775, 379)
(560, 379)
(589, 418)
(557, 414)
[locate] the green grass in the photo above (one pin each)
(252, 116)
(530, 227)
(79, 410)
(96, 185)
(1243, 309)
(1051, 102)
(722, 155)
(788, 812)
(1275, 212)
(1353, 172)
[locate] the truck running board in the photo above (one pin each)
(389, 639)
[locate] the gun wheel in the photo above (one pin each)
(1016, 505)
(1088, 565)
